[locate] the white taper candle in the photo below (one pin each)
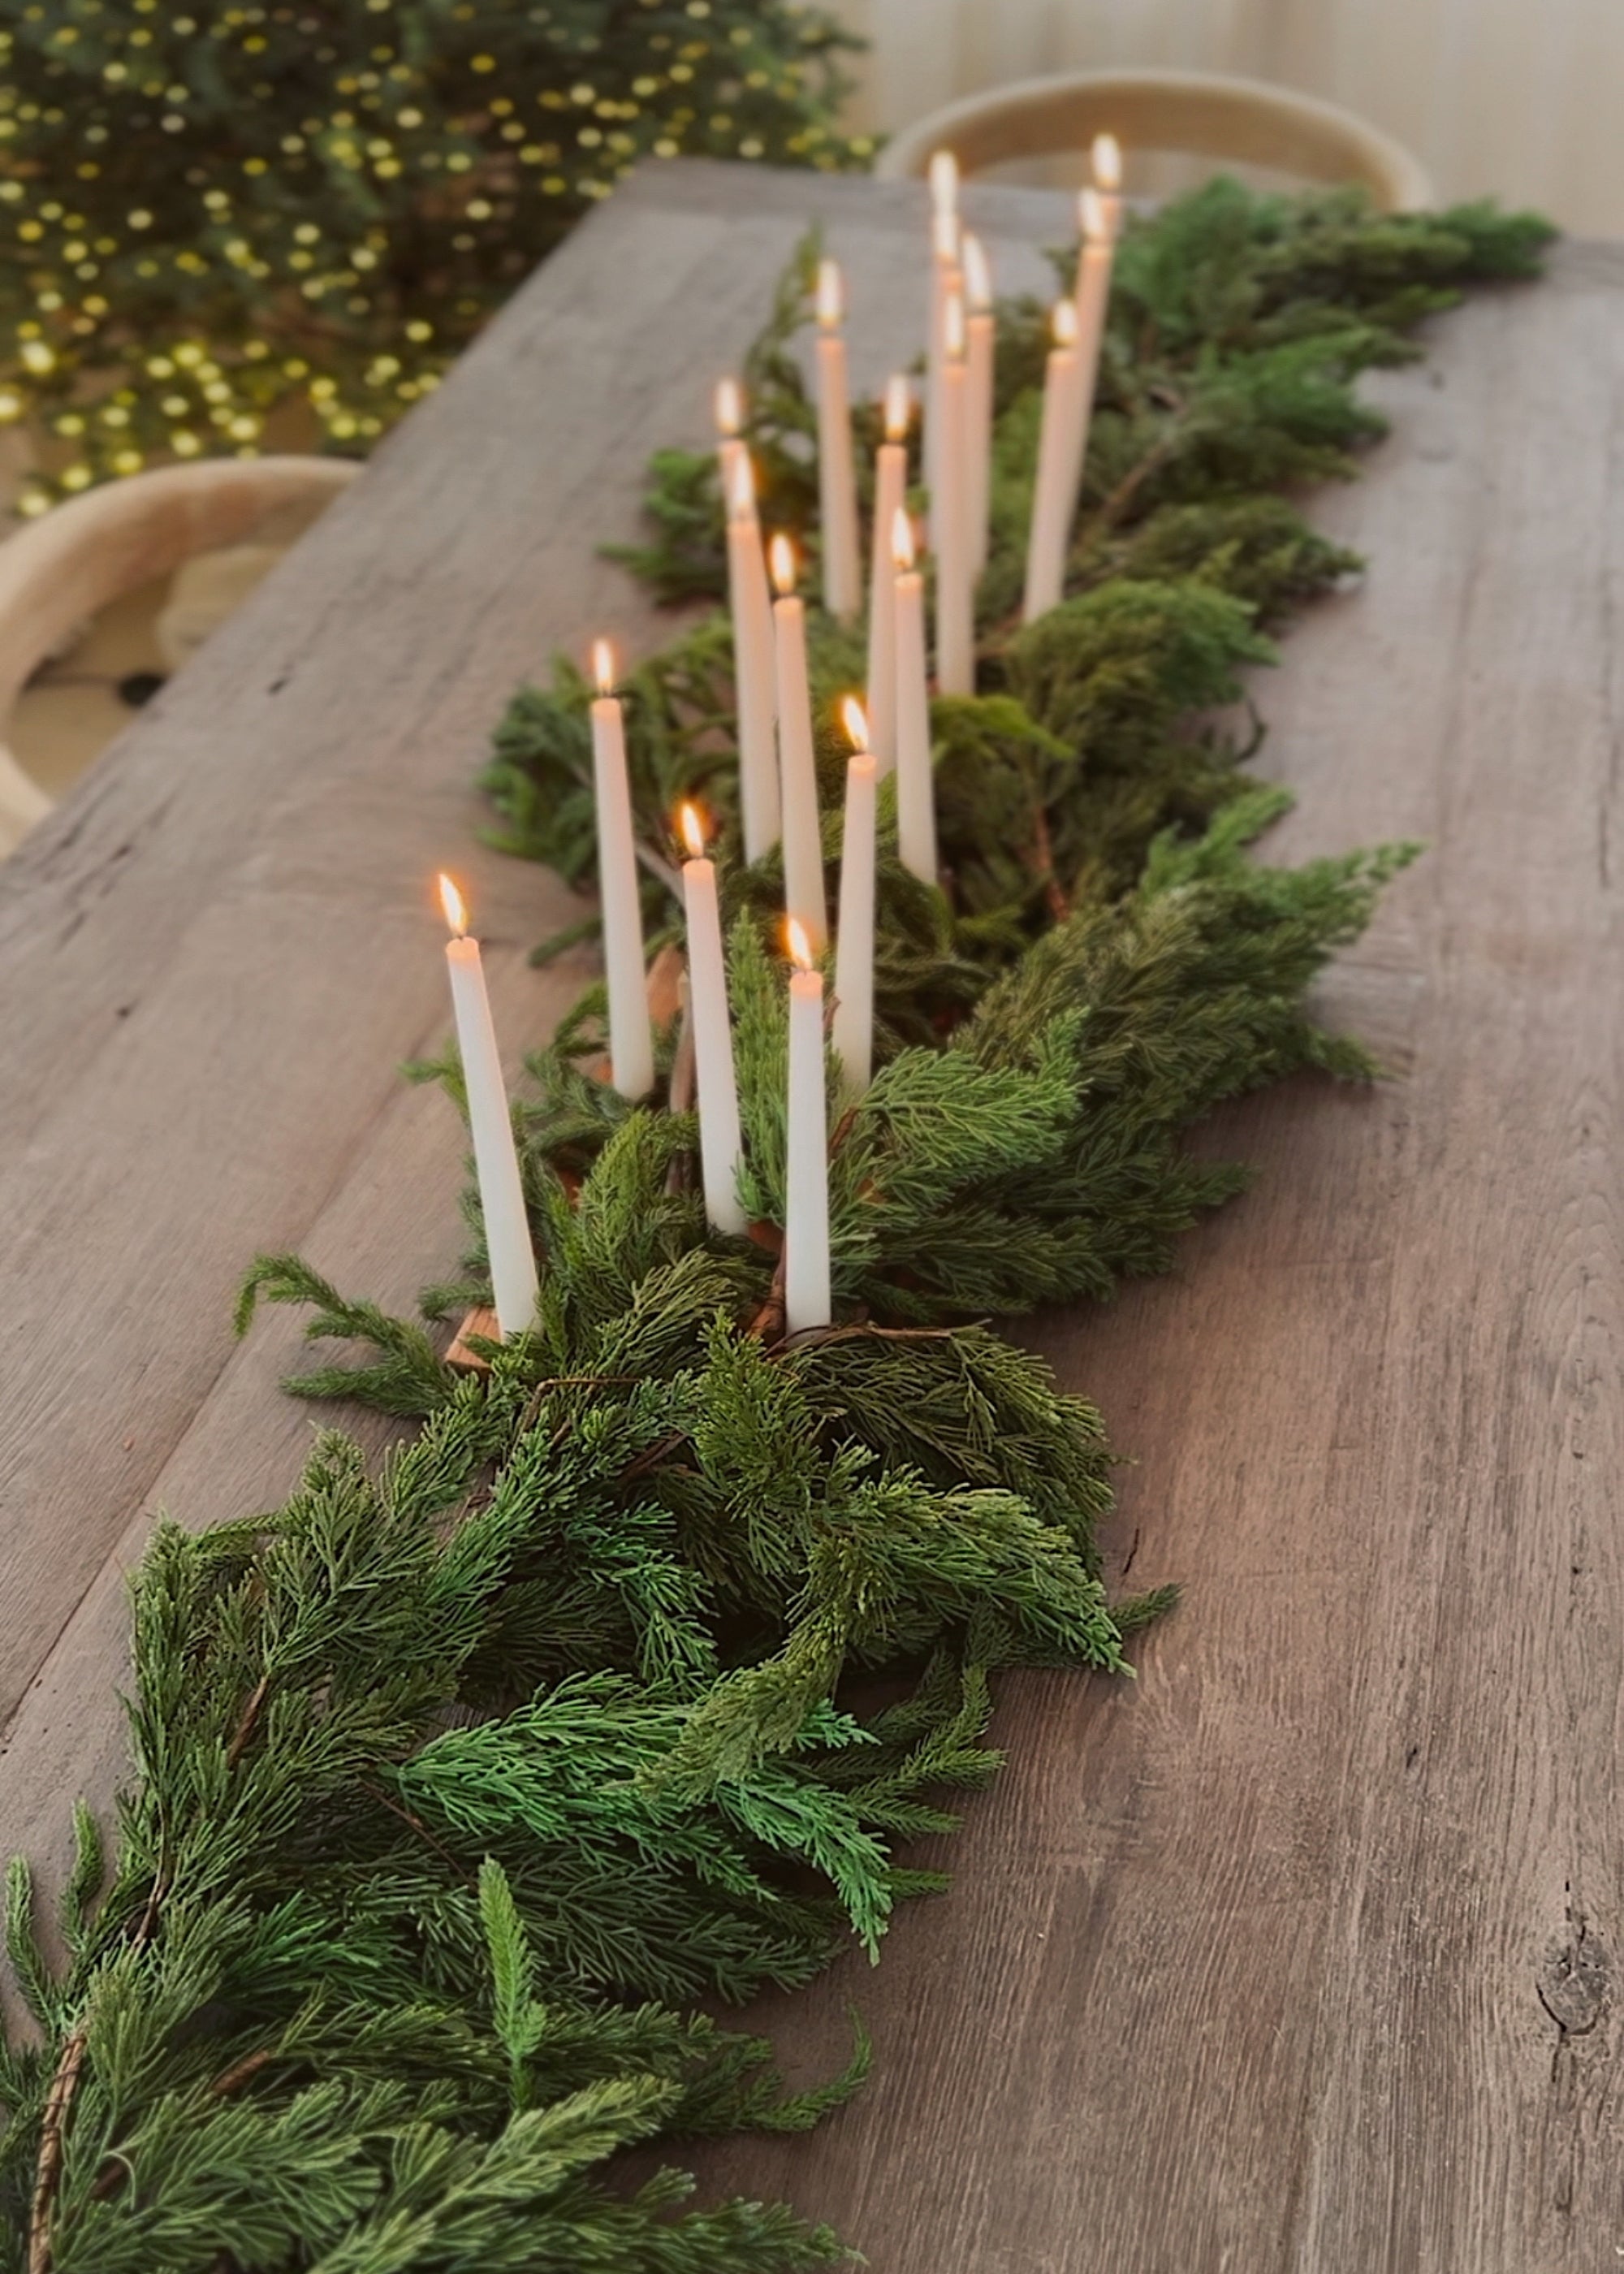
(720, 1146)
(804, 897)
(890, 481)
(1059, 470)
(944, 276)
(916, 805)
(1105, 162)
(631, 1045)
(947, 278)
(853, 1034)
(955, 575)
(837, 475)
(752, 623)
(980, 345)
(730, 448)
(806, 1301)
(1091, 297)
(496, 1160)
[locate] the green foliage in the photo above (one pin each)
(468, 1782)
(1240, 325)
(210, 217)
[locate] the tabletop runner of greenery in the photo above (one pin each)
(470, 1786)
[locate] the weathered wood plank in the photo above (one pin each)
(1299, 1955)
(1296, 1954)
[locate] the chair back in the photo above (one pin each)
(1240, 120)
(59, 571)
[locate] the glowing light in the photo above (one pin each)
(781, 565)
(855, 718)
(944, 237)
(902, 539)
(741, 487)
(831, 294)
(692, 831)
(456, 912)
(944, 181)
(978, 276)
(603, 666)
(799, 945)
(1095, 221)
(1063, 323)
(1106, 159)
(729, 406)
(898, 407)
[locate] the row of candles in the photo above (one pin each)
(777, 743)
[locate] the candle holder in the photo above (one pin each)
(665, 992)
(488, 1327)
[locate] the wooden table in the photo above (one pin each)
(1296, 1953)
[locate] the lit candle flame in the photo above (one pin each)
(902, 539)
(855, 718)
(799, 945)
(603, 666)
(953, 324)
(741, 487)
(943, 180)
(693, 832)
(978, 276)
(898, 407)
(729, 406)
(456, 912)
(1063, 321)
(1106, 159)
(781, 563)
(944, 235)
(1095, 219)
(831, 295)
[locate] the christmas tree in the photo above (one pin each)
(210, 214)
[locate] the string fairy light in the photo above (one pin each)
(462, 171)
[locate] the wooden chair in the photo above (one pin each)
(1241, 120)
(56, 572)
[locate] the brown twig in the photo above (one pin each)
(228, 2079)
(148, 1920)
(683, 1086)
(532, 1404)
(769, 1320)
(684, 1067)
(240, 2072)
(1111, 507)
(415, 1823)
(651, 1456)
(245, 1725)
(48, 2168)
(1043, 848)
(860, 1330)
(112, 2178)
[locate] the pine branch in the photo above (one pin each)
(462, 1778)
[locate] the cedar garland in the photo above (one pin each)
(458, 1785)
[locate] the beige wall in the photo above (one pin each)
(1524, 98)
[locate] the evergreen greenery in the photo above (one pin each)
(465, 1788)
(209, 214)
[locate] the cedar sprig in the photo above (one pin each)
(462, 1778)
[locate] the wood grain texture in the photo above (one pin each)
(1298, 1952)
